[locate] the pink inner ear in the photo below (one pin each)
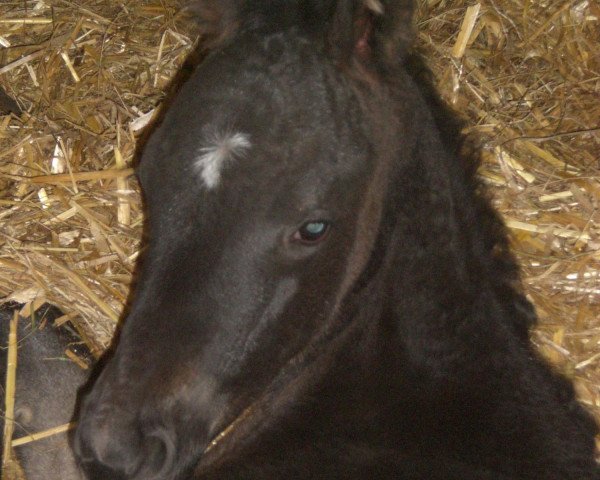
(364, 27)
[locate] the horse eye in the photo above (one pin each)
(312, 232)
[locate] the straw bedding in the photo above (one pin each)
(88, 75)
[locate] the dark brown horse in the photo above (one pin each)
(324, 292)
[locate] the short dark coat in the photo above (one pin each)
(396, 347)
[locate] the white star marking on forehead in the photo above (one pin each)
(222, 149)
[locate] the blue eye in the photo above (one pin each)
(312, 232)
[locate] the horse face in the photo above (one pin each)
(263, 196)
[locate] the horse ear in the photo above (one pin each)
(371, 31)
(217, 19)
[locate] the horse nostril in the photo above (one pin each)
(110, 451)
(159, 454)
(106, 451)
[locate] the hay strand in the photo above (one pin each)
(466, 30)
(107, 174)
(34, 437)
(10, 389)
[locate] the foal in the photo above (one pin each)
(324, 293)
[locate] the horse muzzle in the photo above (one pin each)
(110, 450)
